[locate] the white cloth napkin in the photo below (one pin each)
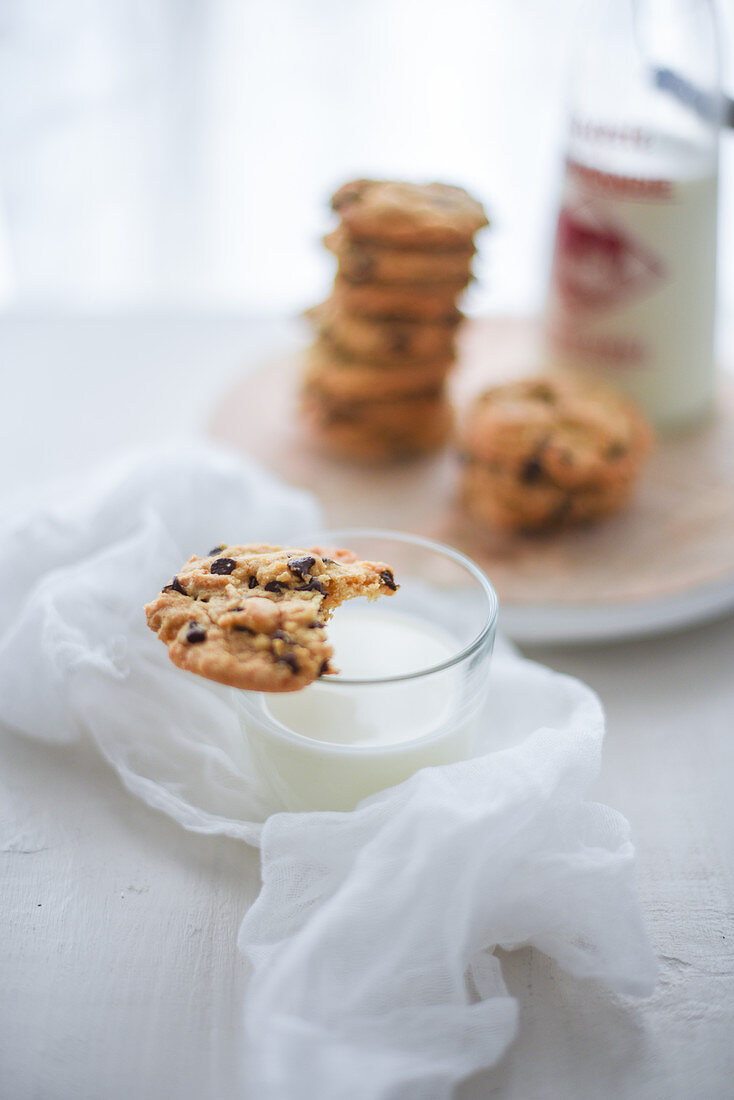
(371, 941)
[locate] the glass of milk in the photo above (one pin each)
(413, 675)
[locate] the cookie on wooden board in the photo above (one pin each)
(385, 342)
(433, 215)
(368, 262)
(433, 302)
(549, 451)
(342, 378)
(374, 431)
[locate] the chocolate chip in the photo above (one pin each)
(312, 586)
(531, 472)
(328, 561)
(195, 633)
(300, 566)
(281, 634)
(400, 340)
(544, 393)
(252, 583)
(388, 580)
(359, 265)
(290, 660)
(241, 626)
(316, 625)
(223, 566)
(345, 196)
(216, 550)
(274, 586)
(432, 391)
(324, 668)
(563, 509)
(176, 586)
(340, 414)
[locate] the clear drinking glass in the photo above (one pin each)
(414, 675)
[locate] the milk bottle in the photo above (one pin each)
(633, 276)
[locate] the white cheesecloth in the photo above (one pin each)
(371, 940)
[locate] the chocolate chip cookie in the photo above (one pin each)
(342, 378)
(389, 343)
(378, 431)
(550, 451)
(433, 215)
(254, 616)
(368, 262)
(435, 302)
(374, 382)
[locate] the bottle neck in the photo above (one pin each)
(645, 85)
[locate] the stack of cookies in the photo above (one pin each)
(375, 379)
(548, 452)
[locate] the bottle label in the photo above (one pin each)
(600, 264)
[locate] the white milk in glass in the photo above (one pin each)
(334, 743)
(633, 280)
(372, 646)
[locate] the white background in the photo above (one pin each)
(180, 153)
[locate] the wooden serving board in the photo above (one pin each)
(667, 559)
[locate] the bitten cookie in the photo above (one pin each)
(433, 215)
(548, 452)
(254, 617)
(367, 262)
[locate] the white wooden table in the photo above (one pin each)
(120, 974)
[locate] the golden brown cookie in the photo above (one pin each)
(389, 343)
(550, 451)
(496, 499)
(435, 302)
(253, 616)
(378, 430)
(411, 215)
(342, 378)
(367, 262)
